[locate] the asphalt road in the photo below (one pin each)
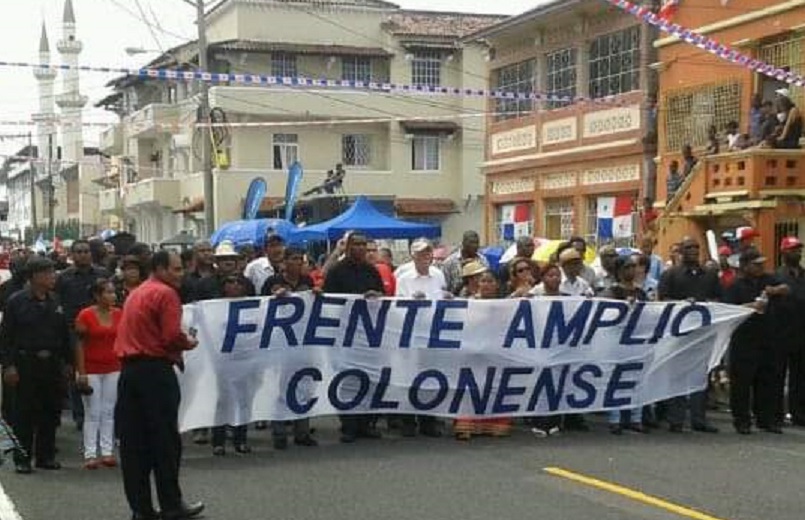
(724, 477)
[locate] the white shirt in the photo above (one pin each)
(432, 285)
(579, 287)
(404, 268)
(258, 271)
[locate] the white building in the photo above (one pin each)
(419, 158)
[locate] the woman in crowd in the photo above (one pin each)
(551, 279)
(470, 276)
(465, 428)
(626, 288)
(130, 278)
(98, 370)
(521, 277)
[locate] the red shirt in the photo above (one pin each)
(152, 323)
(98, 341)
(389, 282)
(727, 277)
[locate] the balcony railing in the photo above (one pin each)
(156, 117)
(755, 174)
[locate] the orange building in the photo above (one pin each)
(550, 165)
(760, 187)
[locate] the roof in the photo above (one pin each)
(298, 48)
(69, 13)
(425, 206)
(546, 8)
(44, 45)
(439, 24)
(376, 4)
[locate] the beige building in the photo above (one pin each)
(420, 154)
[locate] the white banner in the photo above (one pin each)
(303, 356)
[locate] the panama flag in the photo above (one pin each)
(614, 217)
(668, 9)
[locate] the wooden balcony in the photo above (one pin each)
(755, 174)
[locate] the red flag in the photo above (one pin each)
(668, 9)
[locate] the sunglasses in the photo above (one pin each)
(523, 270)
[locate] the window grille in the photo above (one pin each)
(615, 63)
(559, 218)
(520, 79)
(356, 150)
(356, 68)
(426, 68)
(562, 75)
(283, 65)
(690, 112)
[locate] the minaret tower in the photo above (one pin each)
(45, 78)
(70, 101)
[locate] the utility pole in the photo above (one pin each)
(32, 172)
(51, 187)
(204, 118)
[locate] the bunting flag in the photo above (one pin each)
(668, 9)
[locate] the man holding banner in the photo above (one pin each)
(690, 281)
(355, 275)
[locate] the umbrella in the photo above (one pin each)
(547, 249)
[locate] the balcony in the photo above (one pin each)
(111, 141)
(109, 201)
(755, 174)
(154, 119)
(153, 193)
(328, 103)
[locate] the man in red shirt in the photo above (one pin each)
(149, 343)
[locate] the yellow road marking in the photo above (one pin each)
(630, 493)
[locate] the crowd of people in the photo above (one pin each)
(83, 330)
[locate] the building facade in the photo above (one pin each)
(419, 154)
(759, 187)
(553, 167)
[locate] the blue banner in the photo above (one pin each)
(254, 197)
(295, 174)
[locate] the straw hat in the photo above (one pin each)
(226, 249)
(473, 268)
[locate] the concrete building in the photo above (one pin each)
(551, 165)
(759, 187)
(419, 156)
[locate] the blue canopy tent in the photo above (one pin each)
(364, 217)
(253, 232)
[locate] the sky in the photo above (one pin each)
(107, 28)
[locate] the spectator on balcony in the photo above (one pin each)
(689, 159)
(757, 116)
(713, 144)
(674, 180)
(791, 120)
(767, 134)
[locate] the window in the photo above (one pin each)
(283, 65)
(426, 153)
(519, 79)
(356, 150)
(690, 112)
(559, 218)
(286, 150)
(356, 68)
(426, 68)
(788, 53)
(561, 75)
(615, 63)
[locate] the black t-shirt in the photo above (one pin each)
(348, 277)
(756, 330)
(684, 282)
(305, 283)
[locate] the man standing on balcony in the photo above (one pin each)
(689, 159)
(674, 180)
(689, 281)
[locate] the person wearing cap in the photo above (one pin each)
(355, 275)
(261, 269)
(726, 273)
(452, 266)
(625, 288)
(791, 121)
(689, 281)
(746, 237)
(291, 280)
(572, 283)
(755, 367)
(423, 282)
(580, 245)
(789, 326)
(17, 282)
(470, 276)
(606, 276)
(226, 265)
(35, 341)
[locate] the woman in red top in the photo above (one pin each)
(98, 369)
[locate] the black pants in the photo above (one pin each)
(677, 407)
(37, 406)
(147, 416)
(425, 422)
(757, 380)
(356, 425)
(796, 384)
(301, 429)
(238, 435)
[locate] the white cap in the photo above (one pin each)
(783, 92)
(226, 249)
(421, 244)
